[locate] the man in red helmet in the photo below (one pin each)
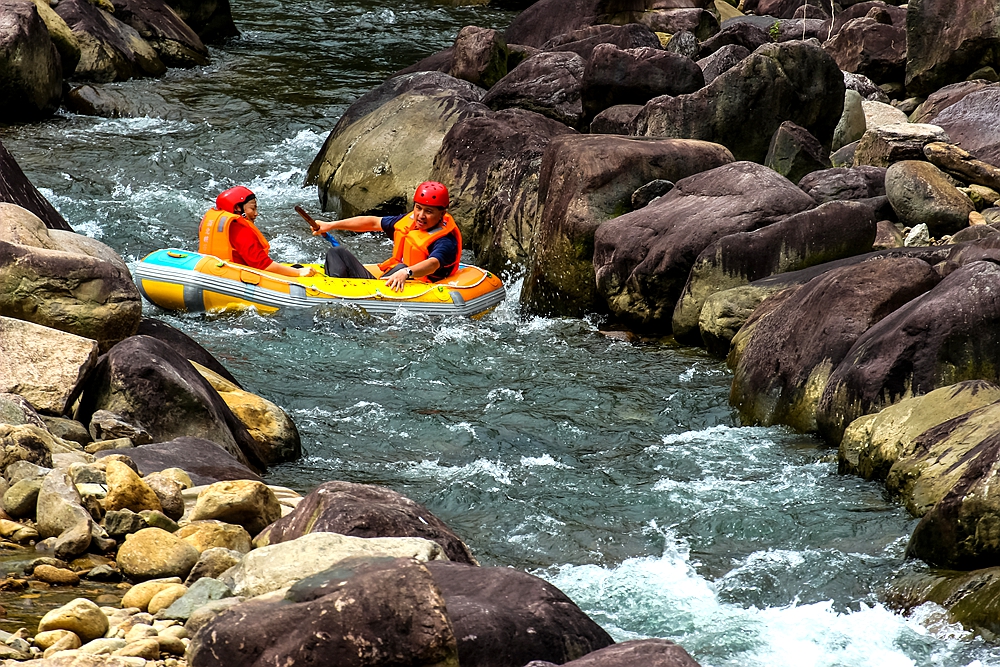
(427, 245)
(228, 232)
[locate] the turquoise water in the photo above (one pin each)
(614, 469)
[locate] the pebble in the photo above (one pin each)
(56, 575)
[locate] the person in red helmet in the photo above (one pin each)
(427, 245)
(228, 232)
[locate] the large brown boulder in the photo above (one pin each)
(547, 19)
(109, 49)
(479, 56)
(947, 40)
(949, 334)
(744, 106)
(583, 42)
(869, 47)
(971, 123)
(363, 510)
(888, 14)
(823, 234)
(642, 259)
(212, 20)
(204, 461)
(490, 165)
(548, 83)
(786, 363)
(363, 613)
(65, 41)
(151, 386)
(30, 67)
(845, 183)
(175, 42)
(941, 99)
(635, 76)
(506, 618)
(15, 188)
(584, 181)
(645, 652)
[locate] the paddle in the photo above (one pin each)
(315, 227)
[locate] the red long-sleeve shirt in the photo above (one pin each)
(247, 250)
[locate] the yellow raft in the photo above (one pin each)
(190, 281)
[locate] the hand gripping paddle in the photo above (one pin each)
(315, 227)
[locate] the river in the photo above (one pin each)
(614, 469)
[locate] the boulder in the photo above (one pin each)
(62, 37)
(80, 616)
(279, 565)
(945, 97)
(503, 617)
(549, 83)
(920, 193)
(153, 553)
(210, 534)
(955, 161)
(969, 597)
(646, 652)
(845, 183)
(243, 502)
(205, 461)
(172, 39)
(947, 41)
(59, 506)
(126, 490)
(971, 123)
(364, 510)
(436, 62)
(584, 181)
(642, 259)
(742, 33)
(200, 593)
(823, 234)
(20, 500)
(694, 20)
(109, 49)
(869, 47)
(361, 614)
(212, 20)
(108, 102)
(886, 13)
(44, 366)
(852, 124)
(490, 165)
(369, 166)
(619, 119)
(30, 67)
(479, 56)
(882, 146)
(186, 346)
(683, 43)
(152, 387)
(16, 411)
(15, 188)
(941, 337)
(786, 363)
(213, 562)
(168, 492)
(794, 152)
(583, 41)
(878, 114)
(865, 87)
(140, 595)
(794, 81)
(721, 61)
(634, 76)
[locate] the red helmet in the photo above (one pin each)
(233, 197)
(431, 193)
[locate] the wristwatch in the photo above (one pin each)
(409, 272)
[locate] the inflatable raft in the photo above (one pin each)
(190, 281)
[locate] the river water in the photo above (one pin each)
(614, 469)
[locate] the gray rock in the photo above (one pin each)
(918, 236)
(920, 193)
(549, 83)
(123, 522)
(684, 43)
(852, 125)
(19, 470)
(887, 144)
(67, 429)
(212, 563)
(59, 505)
(722, 60)
(200, 617)
(105, 425)
(16, 411)
(74, 540)
(199, 594)
(21, 498)
(650, 191)
(104, 573)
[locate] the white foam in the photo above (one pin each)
(545, 461)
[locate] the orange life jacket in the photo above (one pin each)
(213, 234)
(411, 245)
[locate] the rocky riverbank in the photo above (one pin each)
(806, 189)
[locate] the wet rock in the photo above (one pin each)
(635, 76)
(279, 565)
(212, 563)
(968, 124)
(946, 41)
(786, 363)
(202, 592)
(246, 503)
(794, 152)
(336, 617)
(490, 165)
(205, 461)
(505, 617)
(584, 181)
(15, 188)
(969, 597)
(81, 617)
(642, 259)
(176, 43)
(109, 49)
(794, 81)
(816, 236)
(154, 553)
(271, 428)
(920, 193)
(882, 146)
(619, 119)
(56, 576)
(479, 56)
(208, 534)
(363, 510)
(366, 166)
(212, 20)
(184, 345)
(869, 47)
(647, 652)
(62, 37)
(31, 71)
(549, 83)
(942, 337)
(722, 60)
(151, 386)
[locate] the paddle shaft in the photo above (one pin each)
(315, 226)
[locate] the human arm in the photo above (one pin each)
(359, 223)
(249, 251)
(283, 270)
(422, 268)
